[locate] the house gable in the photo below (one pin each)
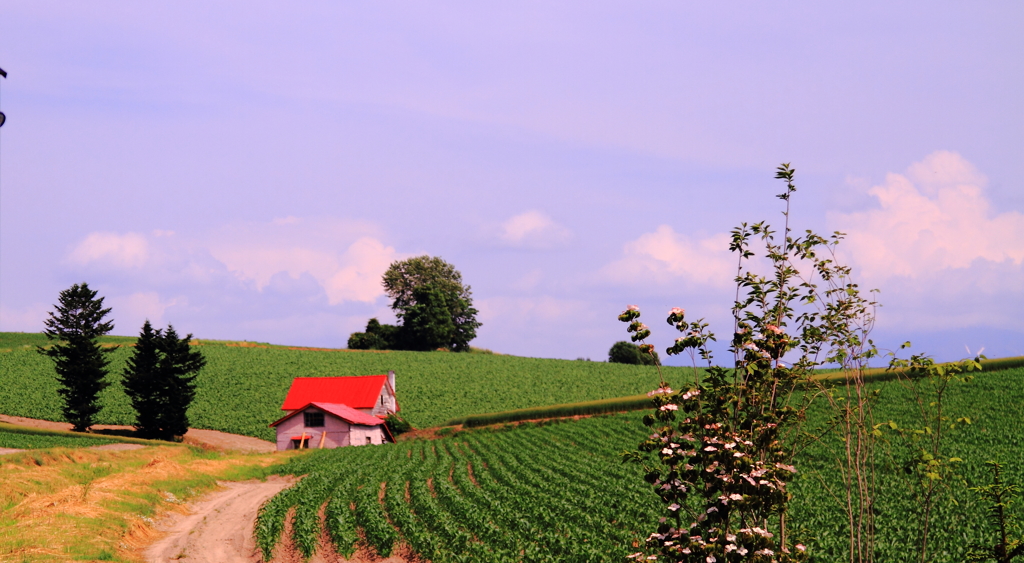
(334, 426)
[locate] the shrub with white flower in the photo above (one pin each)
(723, 454)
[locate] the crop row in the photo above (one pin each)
(538, 493)
(558, 492)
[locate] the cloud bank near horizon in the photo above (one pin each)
(932, 243)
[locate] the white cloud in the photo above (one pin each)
(346, 258)
(533, 229)
(665, 256)
(129, 250)
(526, 311)
(362, 266)
(932, 218)
(130, 311)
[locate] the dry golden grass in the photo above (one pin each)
(89, 505)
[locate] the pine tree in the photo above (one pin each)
(178, 368)
(159, 380)
(79, 361)
(141, 381)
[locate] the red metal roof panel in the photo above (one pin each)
(358, 392)
(350, 414)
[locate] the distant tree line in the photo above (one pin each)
(624, 352)
(434, 309)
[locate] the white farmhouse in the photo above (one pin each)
(332, 412)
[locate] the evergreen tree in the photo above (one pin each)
(80, 363)
(140, 381)
(159, 380)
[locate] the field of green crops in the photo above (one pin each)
(242, 388)
(559, 493)
(537, 493)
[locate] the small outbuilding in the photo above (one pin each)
(333, 412)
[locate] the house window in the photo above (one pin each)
(313, 419)
(369, 440)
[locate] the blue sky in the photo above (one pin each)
(248, 171)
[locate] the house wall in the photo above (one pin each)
(359, 433)
(337, 431)
(385, 404)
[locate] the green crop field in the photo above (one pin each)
(242, 387)
(555, 492)
(558, 492)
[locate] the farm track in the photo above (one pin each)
(219, 527)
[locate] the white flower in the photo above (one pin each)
(729, 548)
(730, 537)
(711, 559)
(669, 407)
(742, 551)
(711, 449)
(801, 547)
(764, 551)
(632, 308)
(730, 445)
(735, 496)
(667, 451)
(634, 555)
(676, 311)
(673, 507)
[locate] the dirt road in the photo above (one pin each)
(219, 527)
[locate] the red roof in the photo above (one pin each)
(343, 412)
(358, 392)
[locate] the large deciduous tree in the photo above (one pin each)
(159, 380)
(435, 308)
(80, 362)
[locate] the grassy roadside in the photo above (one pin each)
(93, 505)
(28, 438)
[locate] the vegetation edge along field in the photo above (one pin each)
(243, 385)
(241, 389)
